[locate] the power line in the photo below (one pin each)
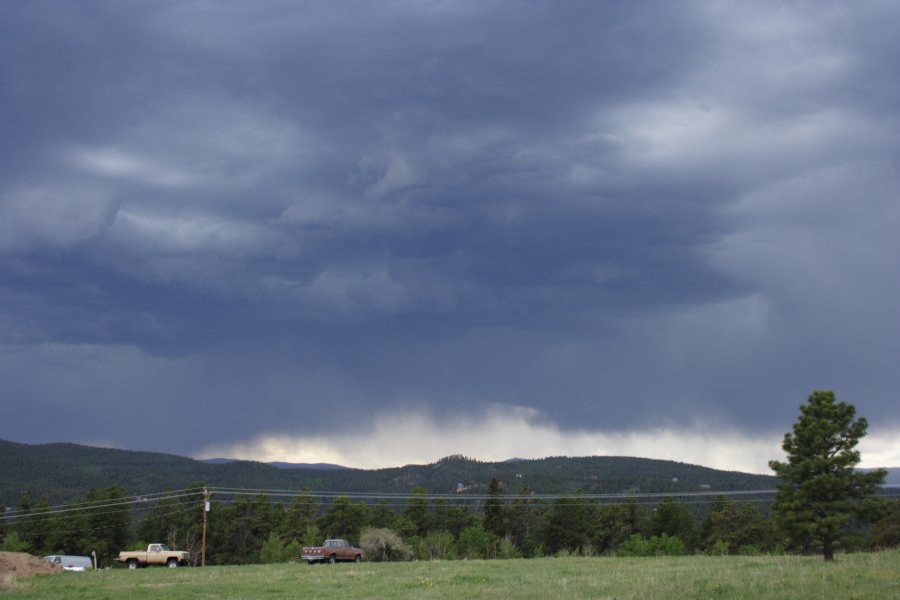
(86, 512)
(72, 506)
(26, 515)
(80, 530)
(147, 502)
(468, 497)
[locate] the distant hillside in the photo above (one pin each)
(67, 471)
(893, 476)
(280, 465)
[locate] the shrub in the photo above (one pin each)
(312, 536)
(507, 549)
(437, 545)
(662, 545)
(13, 543)
(384, 545)
(475, 542)
(721, 547)
(273, 550)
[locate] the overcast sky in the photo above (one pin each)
(377, 233)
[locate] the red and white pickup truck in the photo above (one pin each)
(332, 551)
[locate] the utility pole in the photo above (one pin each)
(206, 496)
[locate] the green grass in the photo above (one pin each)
(864, 576)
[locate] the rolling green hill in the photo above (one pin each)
(67, 471)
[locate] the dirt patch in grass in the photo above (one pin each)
(16, 565)
(19, 564)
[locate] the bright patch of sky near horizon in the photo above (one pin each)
(512, 432)
(646, 228)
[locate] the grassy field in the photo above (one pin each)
(866, 576)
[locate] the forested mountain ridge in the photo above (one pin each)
(64, 471)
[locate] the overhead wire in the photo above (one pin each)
(27, 515)
(457, 495)
(135, 498)
(29, 518)
(147, 502)
(79, 530)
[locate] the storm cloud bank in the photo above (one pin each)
(223, 224)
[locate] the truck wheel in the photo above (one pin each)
(332, 559)
(358, 558)
(173, 562)
(133, 564)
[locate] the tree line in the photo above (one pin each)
(251, 528)
(823, 504)
(66, 472)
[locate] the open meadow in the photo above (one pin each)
(864, 576)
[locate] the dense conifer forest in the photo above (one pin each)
(63, 472)
(66, 498)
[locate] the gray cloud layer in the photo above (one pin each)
(295, 217)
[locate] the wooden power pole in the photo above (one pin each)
(206, 495)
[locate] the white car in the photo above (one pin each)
(71, 563)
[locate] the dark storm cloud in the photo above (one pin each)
(620, 215)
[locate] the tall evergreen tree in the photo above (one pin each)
(300, 514)
(495, 517)
(705, 530)
(382, 516)
(616, 523)
(237, 532)
(457, 519)
(176, 520)
(32, 522)
(344, 519)
(70, 535)
(525, 522)
(417, 511)
(674, 520)
(570, 523)
(736, 525)
(886, 531)
(107, 523)
(821, 491)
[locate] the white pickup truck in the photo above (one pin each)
(156, 554)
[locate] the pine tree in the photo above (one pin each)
(886, 531)
(821, 491)
(176, 519)
(674, 520)
(618, 522)
(300, 514)
(525, 521)
(344, 519)
(32, 522)
(495, 517)
(570, 523)
(417, 511)
(734, 526)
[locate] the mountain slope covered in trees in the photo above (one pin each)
(62, 472)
